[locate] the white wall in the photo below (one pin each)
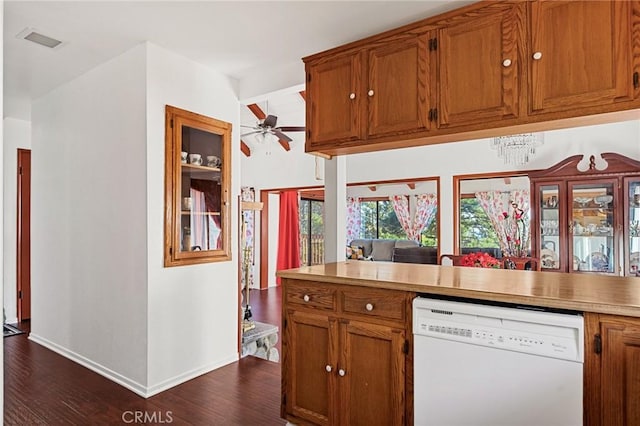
(101, 294)
(193, 310)
(17, 134)
(89, 220)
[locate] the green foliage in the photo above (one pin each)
(475, 227)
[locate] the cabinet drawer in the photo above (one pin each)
(385, 304)
(313, 295)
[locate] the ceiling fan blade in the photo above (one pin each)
(249, 127)
(281, 135)
(270, 121)
(250, 133)
(291, 129)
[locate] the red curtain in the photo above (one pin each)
(288, 233)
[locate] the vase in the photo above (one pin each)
(517, 263)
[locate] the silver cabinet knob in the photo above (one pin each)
(306, 298)
(537, 55)
(370, 93)
(369, 307)
(341, 372)
(352, 96)
(506, 63)
(328, 368)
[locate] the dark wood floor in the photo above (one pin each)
(44, 388)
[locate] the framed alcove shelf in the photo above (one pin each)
(197, 184)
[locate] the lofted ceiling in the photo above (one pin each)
(236, 38)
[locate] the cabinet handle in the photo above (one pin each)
(506, 63)
(306, 298)
(370, 93)
(537, 55)
(328, 368)
(369, 307)
(341, 372)
(352, 96)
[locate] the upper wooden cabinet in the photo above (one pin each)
(334, 96)
(581, 54)
(367, 93)
(507, 65)
(197, 181)
(480, 58)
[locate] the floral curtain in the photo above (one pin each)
(400, 205)
(354, 221)
(247, 238)
(426, 205)
(509, 216)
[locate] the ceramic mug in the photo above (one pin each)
(213, 161)
(195, 159)
(183, 157)
(186, 203)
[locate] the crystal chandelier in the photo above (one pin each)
(517, 149)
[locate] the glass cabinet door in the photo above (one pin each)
(550, 246)
(592, 226)
(632, 227)
(197, 186)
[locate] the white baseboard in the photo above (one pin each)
(11, 320)
(184, 377)
(132, 385)
(93, 366)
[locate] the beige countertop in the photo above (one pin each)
(578, 291)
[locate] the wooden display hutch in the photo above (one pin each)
(197, 180)
(587, 221)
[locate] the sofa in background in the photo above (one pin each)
(380, 249)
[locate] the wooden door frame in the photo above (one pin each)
(23, 284)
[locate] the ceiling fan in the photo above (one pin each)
(269, 126)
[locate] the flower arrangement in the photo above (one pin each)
(516, 232)
(479, 260)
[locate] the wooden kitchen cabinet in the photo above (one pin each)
(481, 62)
(334, 98)
(581, 54)
(345, 355)
(612, 370)
(367, 93)
(486, 69)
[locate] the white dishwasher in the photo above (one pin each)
(481, 365)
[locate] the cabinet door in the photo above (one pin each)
(620, 372)
(631, 223)
(480, 64)
(334, 99)
(371, 374)
(308, 375)
(580, 54)
(398, 90)
(593, 223)
(549, 227)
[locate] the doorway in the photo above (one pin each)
(23, 275)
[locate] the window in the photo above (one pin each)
(379, 220)
(476, 229)
(311, 232)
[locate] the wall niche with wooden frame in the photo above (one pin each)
(197, 184)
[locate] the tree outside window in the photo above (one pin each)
(379, 220)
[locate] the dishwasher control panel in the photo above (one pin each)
(538, 333)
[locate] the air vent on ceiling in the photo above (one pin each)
(38, 38)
